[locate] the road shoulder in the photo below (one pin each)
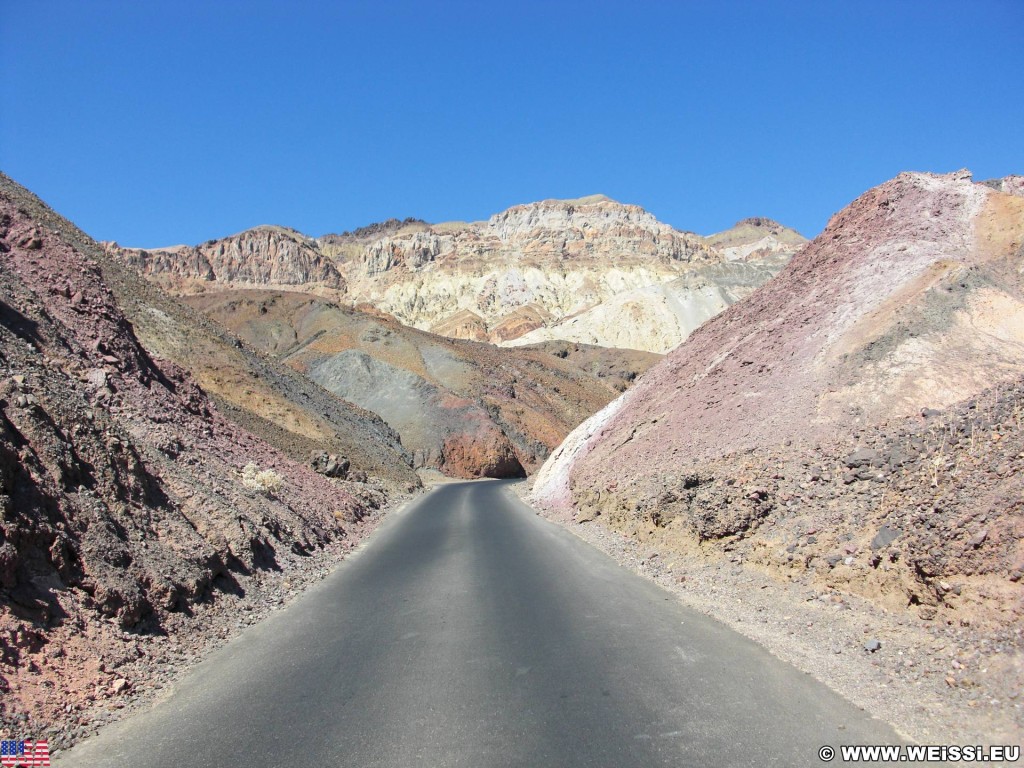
(827, 635)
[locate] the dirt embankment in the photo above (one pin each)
(904, 538)
(923, 514)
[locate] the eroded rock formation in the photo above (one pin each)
(589, 270)
(467, 409)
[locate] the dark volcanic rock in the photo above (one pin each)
(886, 535)
(865, 457)
(330, 465)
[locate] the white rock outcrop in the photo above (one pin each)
(590, 269)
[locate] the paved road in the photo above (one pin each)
(470, 632)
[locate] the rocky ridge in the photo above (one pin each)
(525, 268)
(756, 238)
(137, 523)
(265, 256)
(532, 266)
(256, 391)
(659, 317)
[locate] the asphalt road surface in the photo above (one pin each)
(470, 632)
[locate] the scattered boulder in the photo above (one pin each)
(865, 457)
(97, 378)
(330, 465)
(978, 539)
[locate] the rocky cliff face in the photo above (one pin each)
(526, 268)
(264, 256)
(130, 526)
(659, 317)
(800, 409)
(593, 227)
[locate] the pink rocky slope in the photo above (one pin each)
(127, 534)
(910, 301)
(910, 298)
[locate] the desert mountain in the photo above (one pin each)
(263, 396)
(757, 238)
(544, 260)
(659, 317)
(464, 408)
(854, 422)
(135, 517)
(526, 268)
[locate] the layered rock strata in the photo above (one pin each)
(526, 269)
(467, 409)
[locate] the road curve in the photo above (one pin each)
(470, 632)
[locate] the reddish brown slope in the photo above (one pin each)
(910, 298)
(257, 392)
(467, 409)
(126, 529)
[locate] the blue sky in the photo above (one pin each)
(158, 123)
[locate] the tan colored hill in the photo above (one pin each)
(757, 238)
(467, 409)
(557, 257)
(527, 268)
(799, 409)
(136, 522)
(256, 391)
(659, 317)
(265, 257)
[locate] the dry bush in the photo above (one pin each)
(265, 481)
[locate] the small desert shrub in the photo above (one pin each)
(265, 481)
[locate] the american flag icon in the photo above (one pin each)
(24, 752)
